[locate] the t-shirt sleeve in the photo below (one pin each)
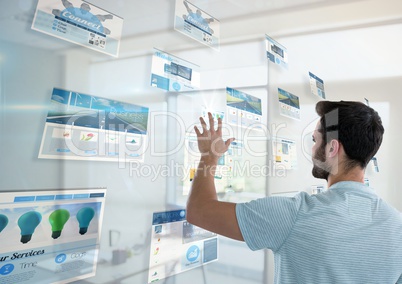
(399, 280)
(267, 222)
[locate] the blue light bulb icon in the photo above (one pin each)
(84, 217)
(3, 222)
(28, 223)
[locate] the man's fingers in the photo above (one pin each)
(219, 125)
(197, 131)
(204, 125)
(211, 122)
(230, 140)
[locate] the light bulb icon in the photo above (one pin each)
(58, 219)
(84, 217)
(28, 223)
(3, 222)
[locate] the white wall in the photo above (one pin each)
(29, 74)
(28, 77)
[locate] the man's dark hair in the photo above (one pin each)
(357, 126)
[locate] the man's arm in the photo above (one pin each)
(203, 208)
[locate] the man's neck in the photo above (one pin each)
(356, 174)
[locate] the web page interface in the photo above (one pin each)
(50, 236)
(178, 246)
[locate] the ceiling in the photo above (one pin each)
(145, 17)
(149, 23)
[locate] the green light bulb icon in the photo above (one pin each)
(3, 222)
(28, 223)
(84, 217)
(58, 219)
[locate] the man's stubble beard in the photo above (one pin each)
(320, 168)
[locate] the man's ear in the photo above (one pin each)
(334, 146)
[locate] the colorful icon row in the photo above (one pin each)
(28, 222)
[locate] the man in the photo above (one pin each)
(344, 235)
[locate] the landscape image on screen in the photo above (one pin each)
(243, 101)
(288, 98)
(95, 112)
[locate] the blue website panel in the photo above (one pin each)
(178, 246)
(80, 23)
(84, 127)
(49, 240)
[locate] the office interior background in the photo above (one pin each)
(354, 46)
